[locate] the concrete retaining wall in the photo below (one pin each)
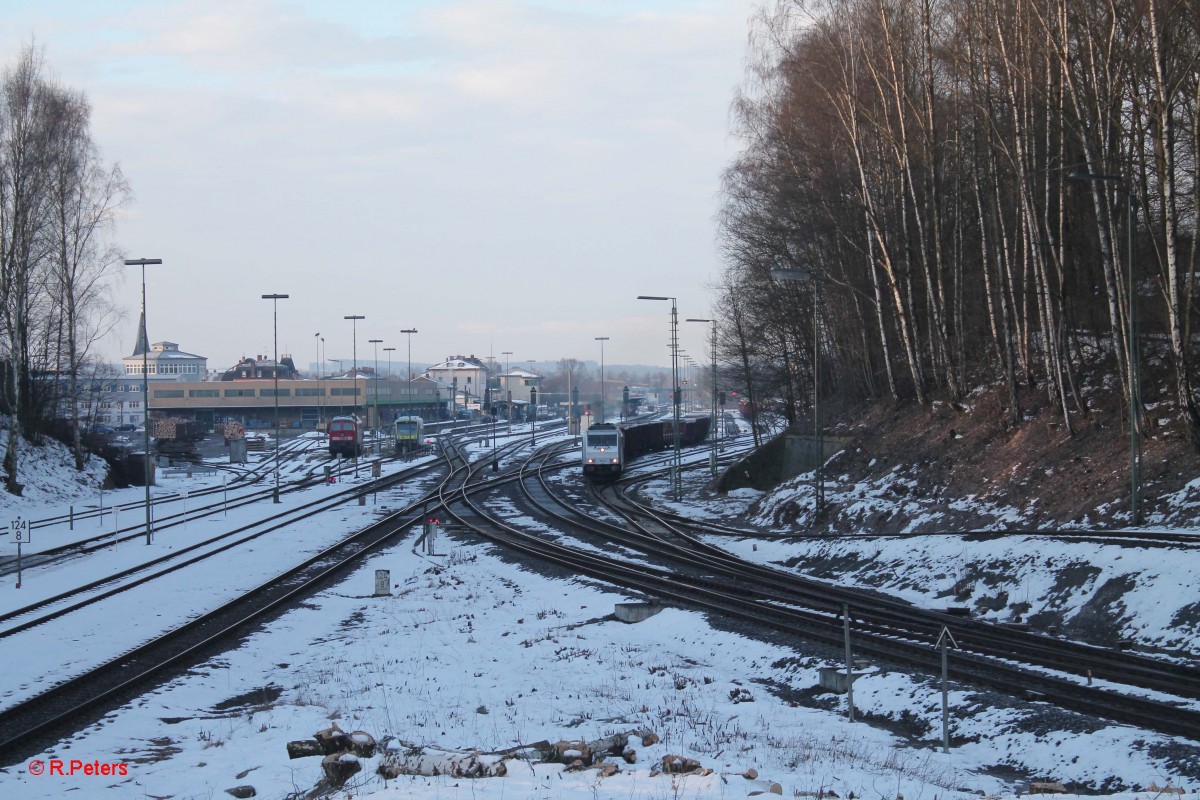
(776, 461)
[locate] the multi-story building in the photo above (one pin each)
(467, 374)
(115, 398)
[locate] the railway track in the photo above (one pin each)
(1017, 663)
(77, 547)
(30, 723)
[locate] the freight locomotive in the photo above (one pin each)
(345, 436)
(609, 447)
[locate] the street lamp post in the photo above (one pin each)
(677, 478)
(507, 386)
(275, 298)
(389, 351)
(375, 372)
(1134, 357)
(805, 274)
(602, 340)
(714, 433)
(145, 345)
(354, 318)
(408, 385)
(320, 394)
(533, 404)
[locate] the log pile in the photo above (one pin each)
(342, 753)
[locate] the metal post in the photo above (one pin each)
(389, 351)
(354, 318)
(375, 367)
(602, 340)
(945, 699)
(1135, 382)
(507, 387)
(945, 640)
(676, 398)
(275, 298)
(677, 468)
(320, 394)
(849, 664)
(145, 345)
(818, 429)
(408, 386)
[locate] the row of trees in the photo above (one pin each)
(968, 184)
(58, 202)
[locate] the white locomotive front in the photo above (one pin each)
(603, 451)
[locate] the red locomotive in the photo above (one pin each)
(345, 436)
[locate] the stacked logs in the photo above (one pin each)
(341, 752)
(577, 754)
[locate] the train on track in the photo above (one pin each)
(409, 432)
(609, 447)
(345, 436)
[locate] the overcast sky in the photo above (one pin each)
(498, 175)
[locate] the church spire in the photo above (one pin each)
(143, 343)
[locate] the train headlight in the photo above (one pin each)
(591, 461)
(614, 461)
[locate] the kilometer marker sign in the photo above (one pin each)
(19, 527)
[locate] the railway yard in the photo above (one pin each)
(242, 625)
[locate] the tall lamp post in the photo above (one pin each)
(507, 386)
(715, 431)
(320, 394)
(805, 274)
(533, 404)
(677, 469)
(389, 351)
(408, 386)
(275, 298)
(602, 340)
(375, 372)
(1134, 358)
(145, 345)
(354, 318)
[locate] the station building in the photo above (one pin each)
(180, 385)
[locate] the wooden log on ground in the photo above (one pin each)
(305, 747)
(362, 744)
(339, 767)
(567, 751)
(333, 739)
(681, 765)
(411, 759)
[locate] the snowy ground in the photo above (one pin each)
(473, 651)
